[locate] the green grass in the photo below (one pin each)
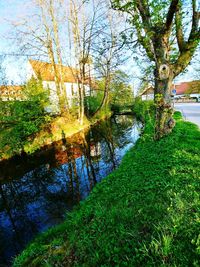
(146, 213)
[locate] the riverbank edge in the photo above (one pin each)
(55, 131)
(124, 223)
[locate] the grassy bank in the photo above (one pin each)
(62, 127)
(146, 213)
(51, 131)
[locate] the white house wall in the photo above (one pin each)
(72, 94)
(148, 97)
(30, 73)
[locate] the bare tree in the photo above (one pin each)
(38, 36)
(108, 53)
(91, 39)
(85, 29)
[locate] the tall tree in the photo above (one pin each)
(39, 36)
(78, 50)
(53, 15)
(85, 28)
(108, 53)
(49, 12)
(169, 33)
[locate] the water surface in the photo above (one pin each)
(36, 191)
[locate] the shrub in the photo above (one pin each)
(143, 109)
(24, 118)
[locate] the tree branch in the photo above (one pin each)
(188, 50)
(195, 21)
(170, 15)
(179, 30)
(144, 12)
(146, 43)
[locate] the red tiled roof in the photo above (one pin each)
(181, 89)
(187, 87)
(10, 90)
(44, 70)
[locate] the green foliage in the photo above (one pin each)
(35, 92)
(21, 119)
(121, 93)
(144, 110)
(93, 102)
(146, 213)
(159, 10)
(177, 116)
(103, 113)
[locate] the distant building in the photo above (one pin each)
(44, 71)
(189, 90)
(147, 93)
(10, 92)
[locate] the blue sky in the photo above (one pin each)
(13, 10)
(10, 10)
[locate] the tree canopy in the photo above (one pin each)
(169, 32)
(177, 21)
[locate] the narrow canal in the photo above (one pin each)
(36, 191)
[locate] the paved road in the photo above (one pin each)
(190, 111)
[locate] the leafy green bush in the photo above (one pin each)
(22, 119)
(93, 102)
(144, 110)
(121, 93)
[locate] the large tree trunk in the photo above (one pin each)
(164, 110)
(164, 76)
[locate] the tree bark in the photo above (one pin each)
(49, 42)
(164, 109)
(81, 87)
(62, 88)
(164, 75)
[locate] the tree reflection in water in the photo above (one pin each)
(37, 190)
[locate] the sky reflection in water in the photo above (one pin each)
(36, 191)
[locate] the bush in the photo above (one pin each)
(92, 103)
(21, 119)
(144, 110)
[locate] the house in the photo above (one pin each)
(189, 90)
(44, 71)
(11, 92)
(147, 93)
